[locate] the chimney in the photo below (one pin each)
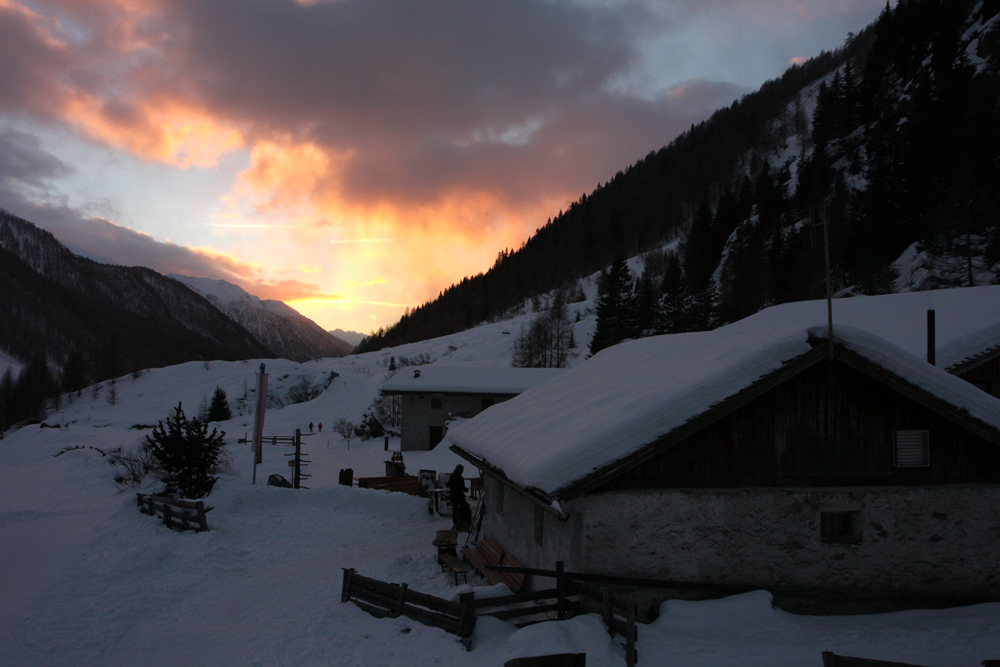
(931, 344)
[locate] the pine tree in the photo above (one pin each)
(615, 307)
(112, 396)
(647, 306)
(218, 409)
(187, 453)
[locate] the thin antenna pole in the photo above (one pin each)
(829, 284)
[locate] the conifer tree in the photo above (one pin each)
(218, 409)
(615, 307)
(187, 453)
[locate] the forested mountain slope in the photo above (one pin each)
(101, 320)
(894, 140)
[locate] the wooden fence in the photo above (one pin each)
(381, 599)
(619, 617)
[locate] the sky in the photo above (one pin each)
(355, 157)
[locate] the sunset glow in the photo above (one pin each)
(354, 158)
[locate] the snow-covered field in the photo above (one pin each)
(89, 581)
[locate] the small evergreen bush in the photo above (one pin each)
(187, 453)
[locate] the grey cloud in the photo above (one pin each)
(420, 90)
(29, 65)
(24, 162)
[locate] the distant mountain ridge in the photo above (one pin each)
(352, 337)
(123, 318)
(284, 330)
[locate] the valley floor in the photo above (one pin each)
(88, 580)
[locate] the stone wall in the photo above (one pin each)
(939, 540)
(514, 530)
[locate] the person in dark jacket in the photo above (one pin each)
(461, 514)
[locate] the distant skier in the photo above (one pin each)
(321, 427)
(310, 427)
(461, 516)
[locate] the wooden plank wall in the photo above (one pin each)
(829, 425)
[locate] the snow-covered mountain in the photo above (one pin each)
(280, 327)
(352, 337)
(126, 317)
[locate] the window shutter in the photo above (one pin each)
(913, 449)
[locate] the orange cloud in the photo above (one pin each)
(228, 263)
(288, 291)
(163, 130)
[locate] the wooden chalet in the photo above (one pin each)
(751, 456)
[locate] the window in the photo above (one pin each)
(912, 450)
(840, 526)
(539, 524)
(487, 402)
(435, 402)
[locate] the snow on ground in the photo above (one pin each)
(88, 580)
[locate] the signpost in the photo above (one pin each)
(258, 421)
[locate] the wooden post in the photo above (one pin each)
(606, 609)
(561, 590)
(345, 592)
(468, 620)
(400, 601)
(631, 655)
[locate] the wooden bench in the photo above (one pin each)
(455, 565)
(177, 514)
(490, 553)
(409, 484)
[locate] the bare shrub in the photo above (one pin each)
(136, 463)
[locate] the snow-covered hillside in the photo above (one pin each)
(284, 330)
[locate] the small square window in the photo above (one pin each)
(435, 402)
(840, 526)
(912, 449)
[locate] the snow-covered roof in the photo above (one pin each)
(627, 396)
(465, 380)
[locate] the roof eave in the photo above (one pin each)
(535, 496)
(968, 364)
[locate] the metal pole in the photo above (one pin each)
(829, 283)
(298, 445)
